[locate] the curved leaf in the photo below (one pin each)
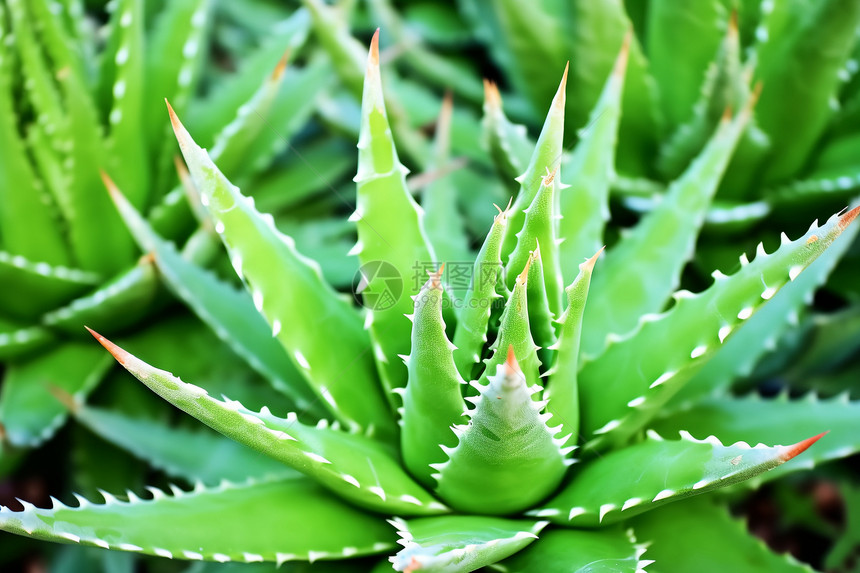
(279, 520)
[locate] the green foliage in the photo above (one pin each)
(442, 413)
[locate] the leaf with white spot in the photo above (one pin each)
(288, 289)
(507, 457)
(193, 455)
(755, 419)
(656, 472)
(639, 380)
(356, 467)
(460, 543)
(228, 312)
(277, 520)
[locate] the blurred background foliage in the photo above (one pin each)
(82, 89)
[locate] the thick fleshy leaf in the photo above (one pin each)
(690, 333)
(432, 399)
(278, 520)
(45, 285)
(610, 550)
(800, 57)
(392, 243)
(115, 304)
(507, 143)
(740, 353)
(228, 312)
(471, 332)
(507, 457)
(638, 478)
(587, 174)
(562, 389)
(754, 419)
(192, 455)
(641, 271)
(127, 136)
(302, 316)
(697, 535)
(460, 543)
(545, 159)
(356, 467)
(28, 412)
(539, 234)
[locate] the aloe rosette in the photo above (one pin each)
(548, 436)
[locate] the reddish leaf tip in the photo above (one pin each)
(110, 185)
(118, 353)
(67, 400)
(623, 55)
(848, 217)
(279, 70)
(374, 49)
(790, 452)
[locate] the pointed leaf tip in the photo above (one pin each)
(524, 276)
(110, 185)
(620, 67)
(848, 217)
(589, 263)
(373, 56)
(279, 70)
(492, 97)
(790, 452)
(118, 353)
(559, 99)
(66, 399)
(733, 24)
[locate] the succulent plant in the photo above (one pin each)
(71, 106)
(465, 449)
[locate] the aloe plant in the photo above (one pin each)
(71, 108)
(465, 450)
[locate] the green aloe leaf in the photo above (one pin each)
(507, 451)
(562, 389)
(754, 419)
(507, 143)
(358, 468)
(586, 176)
(193, 455)
(29, 413)
(801, 52)
(610, 550)
(302, 316)
(390, 228)
(665, 471)
(471, 331)
(643, 269)
(115, 304)
(697, 535)
(228, 312)
(277, 520)
(460, 543)
(45, 285)
(639, 385)
(740, 353)
(432, 399)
